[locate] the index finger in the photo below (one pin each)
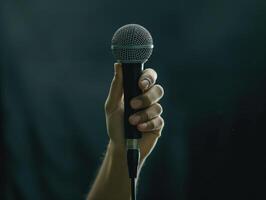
(147, 79)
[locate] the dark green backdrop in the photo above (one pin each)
(56, 67)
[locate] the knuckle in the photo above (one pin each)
(155, 73)
(158, 108)
(161, 122)
(152, 124)
(159, 89)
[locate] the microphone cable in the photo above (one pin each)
(133, 188)
(133, 156)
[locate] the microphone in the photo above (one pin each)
(132, 45)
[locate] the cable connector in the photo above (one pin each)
(133, 156)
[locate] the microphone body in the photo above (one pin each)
(131, 75)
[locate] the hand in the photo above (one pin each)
(148, 121)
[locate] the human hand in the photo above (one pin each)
(148, 121)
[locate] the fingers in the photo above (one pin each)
(153, 95)
(152, 125)
(115, 95)
(145, 115)
(147, 79)
(148, 120)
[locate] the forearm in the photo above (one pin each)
(112, 182)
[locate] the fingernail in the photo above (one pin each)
(143, 126)
(145, 83)
(136, 103)
(134, 119)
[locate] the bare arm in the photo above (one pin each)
(112, 181)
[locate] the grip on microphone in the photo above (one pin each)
(131, 75)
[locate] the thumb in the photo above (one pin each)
(115, 95)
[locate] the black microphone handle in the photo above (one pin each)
(131, 75)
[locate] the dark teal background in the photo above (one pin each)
(56, 67)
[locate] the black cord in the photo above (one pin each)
(133, 189)
(133, 162)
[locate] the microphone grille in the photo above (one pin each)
(132, 43)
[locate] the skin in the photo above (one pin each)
(112, 181)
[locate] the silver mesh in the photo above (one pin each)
(132, 43)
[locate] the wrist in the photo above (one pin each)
(117, 151)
